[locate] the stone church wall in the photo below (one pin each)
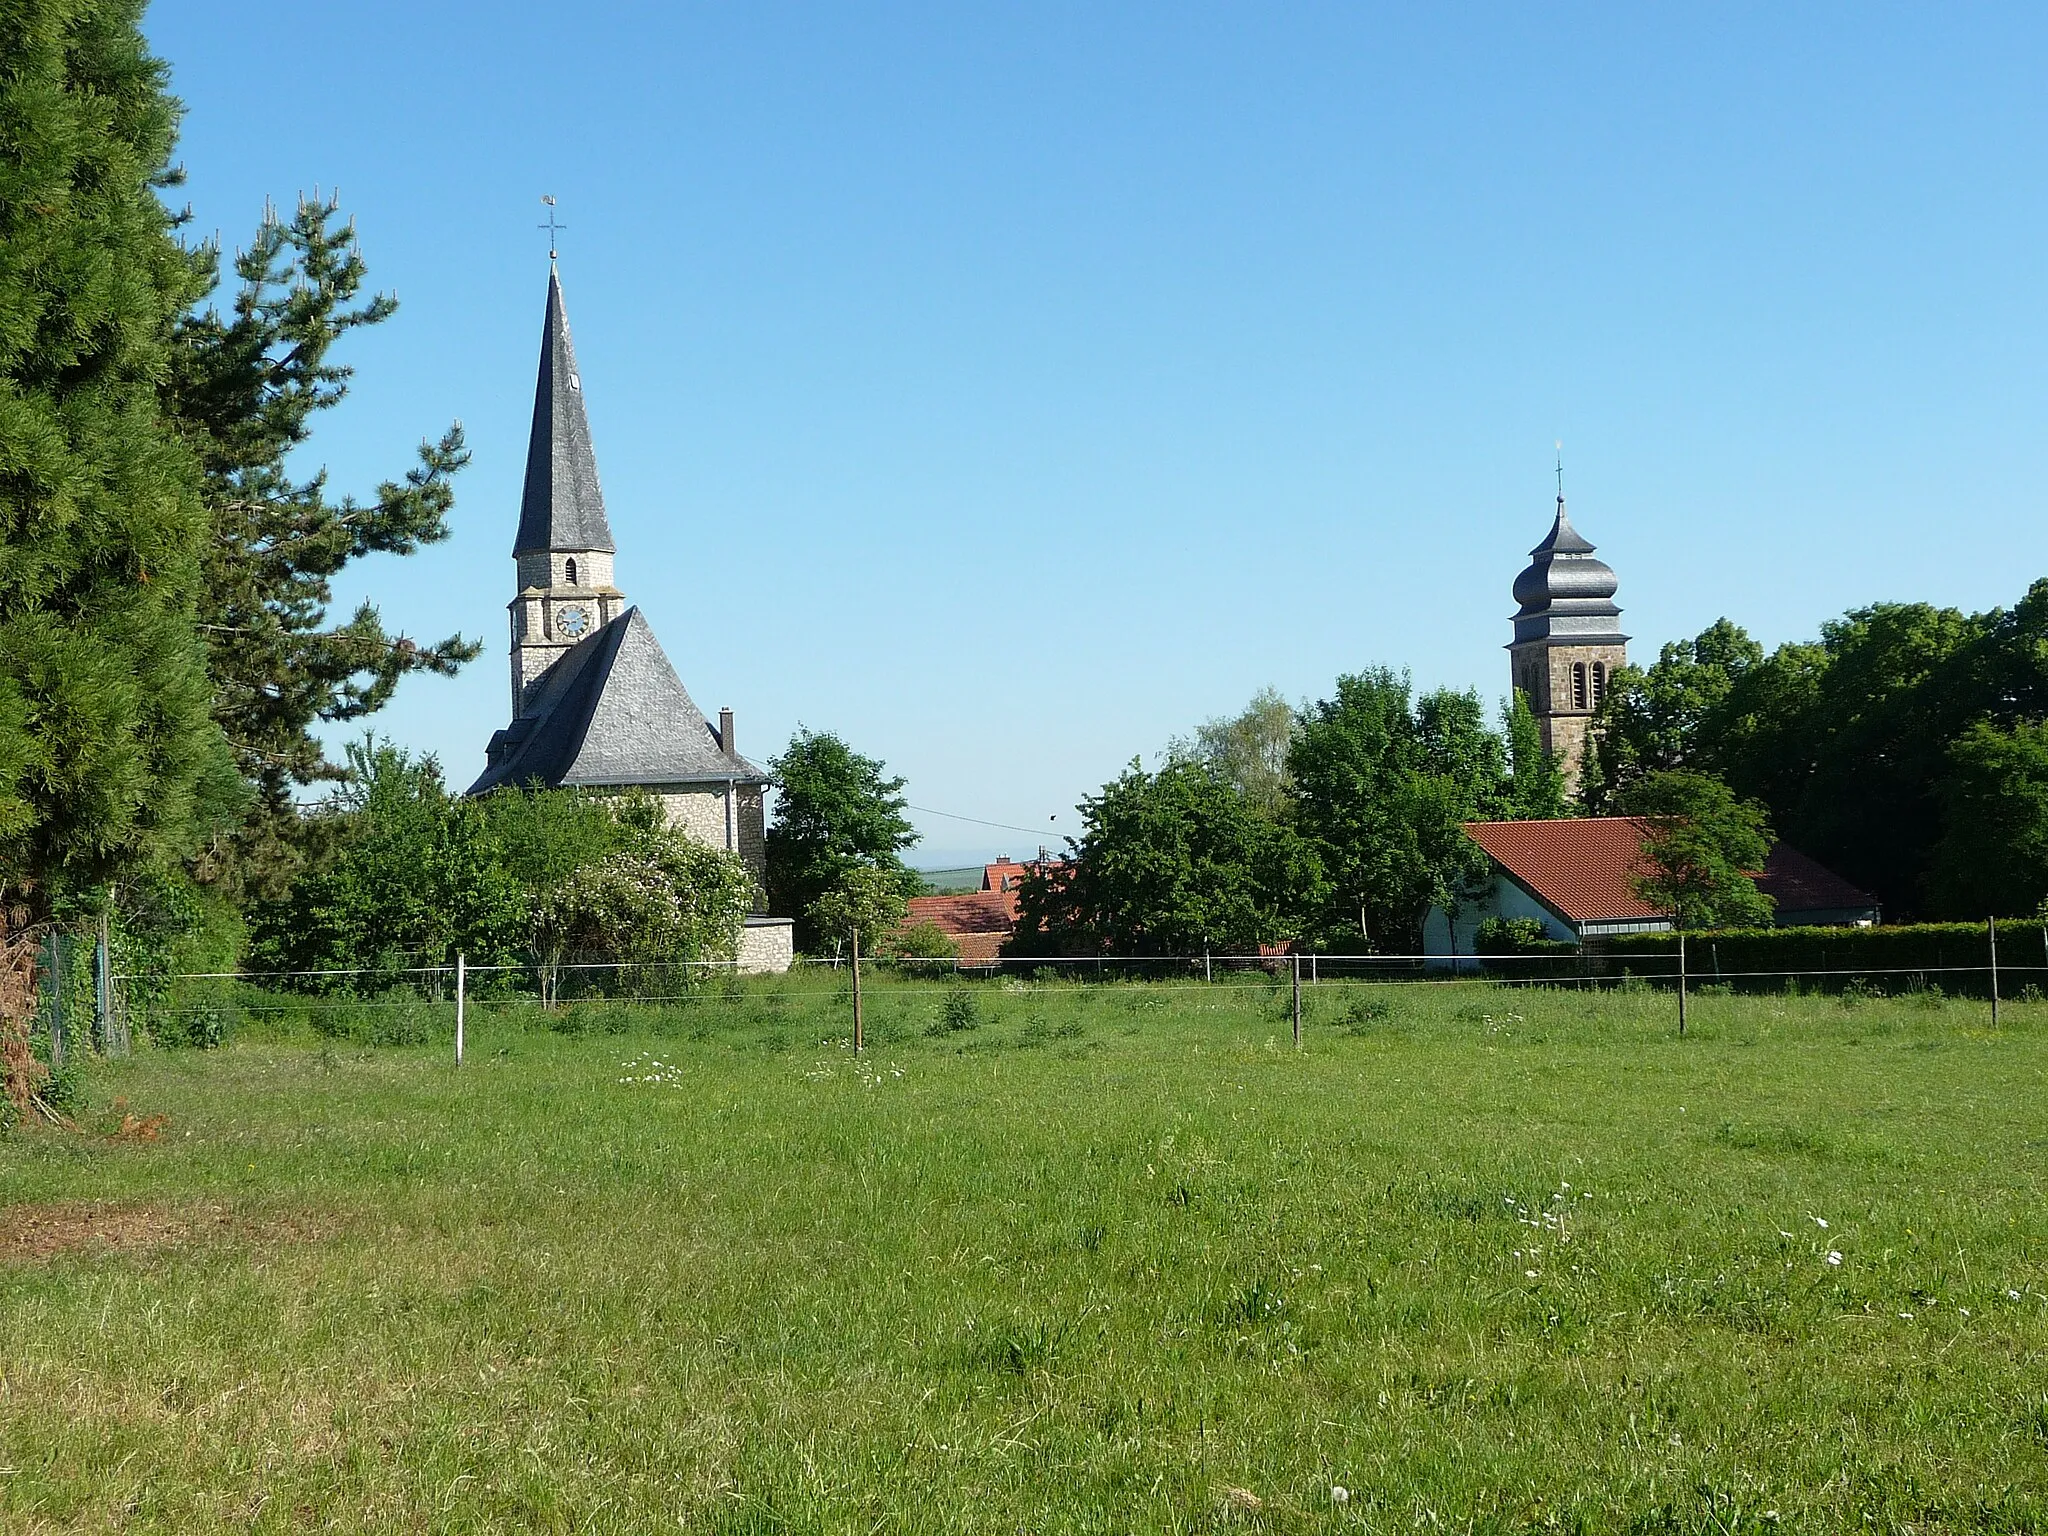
(767, 946)
(698, 810)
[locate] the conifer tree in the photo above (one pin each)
(109, 756)
(243, 388)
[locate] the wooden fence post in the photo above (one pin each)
(859, 1043)
(1991, 928)
(1681, 986)
(1297, 1002)
(54, 969)
(461, 977)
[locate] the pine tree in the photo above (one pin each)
(243, 388)
(109, 756)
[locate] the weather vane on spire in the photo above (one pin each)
(551, 226)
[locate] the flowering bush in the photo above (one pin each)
(662, 901)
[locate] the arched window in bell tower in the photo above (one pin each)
(1599, 682)
(1578, 685)
(572, 570)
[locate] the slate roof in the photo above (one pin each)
(612, 712)
(1585, 868)
(562, 507)
(1565, 594)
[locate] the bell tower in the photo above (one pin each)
(1568, 641)
(564, 549)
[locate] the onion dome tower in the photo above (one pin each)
(1568, 640)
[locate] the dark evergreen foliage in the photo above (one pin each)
(243, 389)
(110, 761)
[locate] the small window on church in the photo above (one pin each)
(1599, 682)
(1578, 685)
(572, 572)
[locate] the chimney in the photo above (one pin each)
(725, 733)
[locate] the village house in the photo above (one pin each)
(978, 922)
(1578, 879)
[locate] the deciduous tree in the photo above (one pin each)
(1249, 751)
(1992, 859)
(834, 810)
(1170, 863)
(1701, 846)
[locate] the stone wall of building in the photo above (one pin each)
(699, 811)
(1546, 672)
(767, 946)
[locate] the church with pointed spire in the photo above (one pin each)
(596, 703)
(1568, 640)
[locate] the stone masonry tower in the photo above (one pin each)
(1568, 640)
(564, 548)
(596, 703)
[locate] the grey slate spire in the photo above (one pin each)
(1566, 595)
(563, 507)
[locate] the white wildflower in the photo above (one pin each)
(1835, 1258)
(1339, 1494)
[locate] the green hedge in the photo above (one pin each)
(1911, 957)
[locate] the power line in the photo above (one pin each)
(926, 810)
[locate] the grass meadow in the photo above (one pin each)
(1053, 1258)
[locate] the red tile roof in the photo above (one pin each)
(1587, 868)
(978, 948)
(1798, 884)
(1004, 874)
(973, 912)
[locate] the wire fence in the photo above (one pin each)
(202, 1008)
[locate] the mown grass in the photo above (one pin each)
(1062, 1260)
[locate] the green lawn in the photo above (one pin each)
(1111, 1260)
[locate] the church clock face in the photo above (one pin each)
(572, 621)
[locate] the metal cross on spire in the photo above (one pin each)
(1560, 472)
(551, 226)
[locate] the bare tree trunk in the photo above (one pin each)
(21, 1075)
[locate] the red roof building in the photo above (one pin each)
(1577, 877)
(978, 922)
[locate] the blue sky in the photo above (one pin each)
(1010, 388)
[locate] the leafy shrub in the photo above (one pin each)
(921, 941)
(1509, 936)
(961, 1010)
(1366, 1012)
(394, 1017)
(201, 1024)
